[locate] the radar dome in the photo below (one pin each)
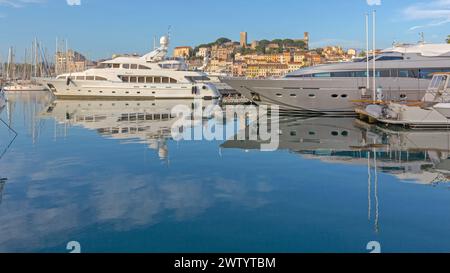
(164, 41)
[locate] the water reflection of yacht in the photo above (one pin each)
(152, 76)
(2, 187)
(2, 100)
(142, 121)
(421, 157)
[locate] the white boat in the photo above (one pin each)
(133, 77)
(432, 112)
(25, 86)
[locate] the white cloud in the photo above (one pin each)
(74, 2)
(374, 2)
(434, 13)
(19, 3)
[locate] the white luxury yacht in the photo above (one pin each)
(403, 72)
(151, 76)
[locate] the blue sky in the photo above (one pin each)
(99, 28)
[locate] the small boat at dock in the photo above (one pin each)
(25, 86)
(432, 112)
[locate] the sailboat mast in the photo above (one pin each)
(374, 55)
(35, 58)
(25, 66)
(367, 53)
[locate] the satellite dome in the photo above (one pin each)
(164, 41)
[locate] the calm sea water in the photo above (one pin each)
(108, 175)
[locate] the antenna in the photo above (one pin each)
(169, 31)
(422, 37)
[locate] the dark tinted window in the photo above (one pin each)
(390, 58)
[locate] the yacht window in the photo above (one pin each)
(385, 73)
(80, 78)
(322, 75)
(334, 95)
(90, 78)
(173, 80)
(144, 67)
(133, 79)
(403, 73)
(125, 79)
(141, 79)
(414, 73)
(157, 79)
(134, 66)
(116, 65)
(341, 74)
(344, 96)
(149, 79)
(360, 74)
(390, 58)
(428, 73)
(197, 78)
(126, 66)
(98, 78)
(165, 80)
(312, 95)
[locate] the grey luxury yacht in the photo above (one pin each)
(403, 72)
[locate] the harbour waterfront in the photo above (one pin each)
(123, 185)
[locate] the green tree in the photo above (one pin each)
(288, 42)
(448, 39)
(222, 41)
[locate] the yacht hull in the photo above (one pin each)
(325, 96)
(116, 90)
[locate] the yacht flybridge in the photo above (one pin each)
(151, 76)
(403, 72)
(432, 112)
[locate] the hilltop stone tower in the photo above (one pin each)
(244, 39)
(306, 39)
